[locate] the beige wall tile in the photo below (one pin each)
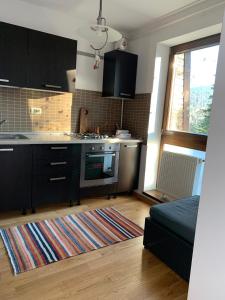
(60, 112)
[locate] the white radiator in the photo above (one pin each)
(178, 174)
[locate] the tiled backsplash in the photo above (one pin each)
(60, 112)
(103, 113)
(15, 105)
(136, 115)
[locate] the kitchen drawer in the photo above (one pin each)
(52, 189)
(56, 152)
(55, 166)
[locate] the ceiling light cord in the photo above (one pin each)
(101, 20)
(100, 10)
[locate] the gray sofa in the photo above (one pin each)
(169, 233)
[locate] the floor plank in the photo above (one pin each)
(122, 271)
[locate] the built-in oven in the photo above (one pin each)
(99, 164)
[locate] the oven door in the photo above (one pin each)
(99, 168)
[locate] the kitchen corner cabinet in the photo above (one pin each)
(13, 55)
(119, 76)
(52, 62)
(56, 174)
(15, 177)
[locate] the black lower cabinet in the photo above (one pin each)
(15, 177)
(56, 174)
(55, 188)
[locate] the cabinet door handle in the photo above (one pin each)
(59, 148)
(57, 179)
(4, 80)
(60, 163)
(130, 146)
(100, 155)
(53, 86)
(7, 150)
(125, 94)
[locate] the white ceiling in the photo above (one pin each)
(125, 15)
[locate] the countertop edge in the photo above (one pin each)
(72, 141)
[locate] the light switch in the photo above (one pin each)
(36, 111)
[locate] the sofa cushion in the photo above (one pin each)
(179, 216)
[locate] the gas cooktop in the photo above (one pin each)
(89, 136)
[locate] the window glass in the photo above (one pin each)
(192, 90)
(177, 95)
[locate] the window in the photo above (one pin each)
(190, 90)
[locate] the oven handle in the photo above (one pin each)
(100, 155)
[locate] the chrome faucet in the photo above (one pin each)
(2, 122)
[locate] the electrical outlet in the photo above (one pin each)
(36, 111)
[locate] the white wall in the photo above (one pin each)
(87, 77)
(192, 27)
(55, 22)
(149, 47)
(208, 266)
(156, 114)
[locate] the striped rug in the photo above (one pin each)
(37, 244)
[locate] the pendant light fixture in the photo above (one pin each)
(100, 34)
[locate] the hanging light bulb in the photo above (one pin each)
(100, 34)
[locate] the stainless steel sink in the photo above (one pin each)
(6, 136)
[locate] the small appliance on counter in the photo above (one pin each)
(123, 134)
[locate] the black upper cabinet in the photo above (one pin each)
(13, 55)
(37, 60)
(52, 62)
(120, 72)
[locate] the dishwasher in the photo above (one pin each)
(128, 167)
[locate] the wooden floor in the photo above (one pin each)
(122, 271)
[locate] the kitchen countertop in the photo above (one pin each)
(59, 138)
